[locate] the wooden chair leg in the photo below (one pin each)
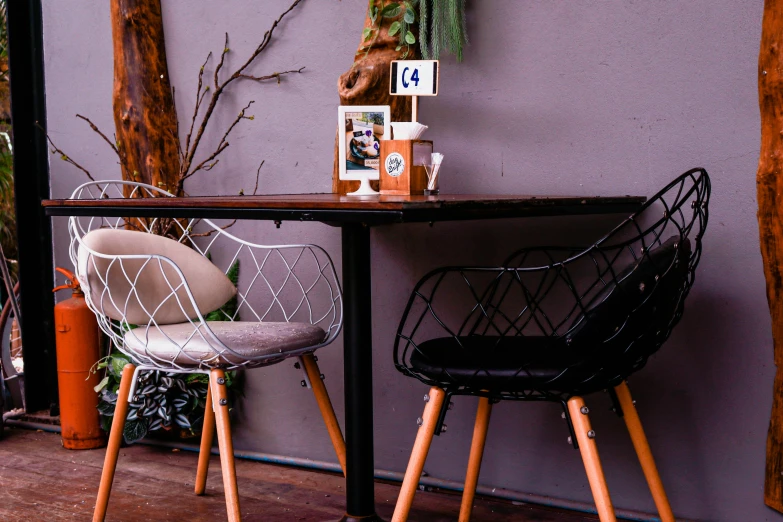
(419, 454)
(585, 436)
(476, 454)
(207, 435)
(113, 448)
(325, 405)
(217, 382)
(642, 448)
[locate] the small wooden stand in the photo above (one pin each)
(402, 171)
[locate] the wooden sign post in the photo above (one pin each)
(414, 78)
(402, 170)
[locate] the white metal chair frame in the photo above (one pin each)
(291, 290)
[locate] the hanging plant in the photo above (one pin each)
(403, 15)
(441, 26)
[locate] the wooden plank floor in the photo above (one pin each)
(40, 480)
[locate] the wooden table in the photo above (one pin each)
(355, 216)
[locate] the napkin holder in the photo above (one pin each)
(402, 171)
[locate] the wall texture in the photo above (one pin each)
(587, 97)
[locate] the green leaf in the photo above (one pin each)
(410, 16)
(228, 310)
(391, 10)
(106, 409)
(135, 430)
(367, 33)
(197, 377)
(394, 28)
(410, 38)
(233, 273)
(398, 48)
(117, 364)
(101, 385)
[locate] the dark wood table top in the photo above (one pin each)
(335, 208)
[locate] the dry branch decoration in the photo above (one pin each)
(210, 88)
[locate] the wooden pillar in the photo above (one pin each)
(144, 113)
(769, 182)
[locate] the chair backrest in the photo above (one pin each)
(617, 299)
(627, 291)
(645, 294)
(126, 278)
(146, 281)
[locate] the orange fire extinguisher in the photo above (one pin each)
(78, 349)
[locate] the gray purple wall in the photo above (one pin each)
(557, 97)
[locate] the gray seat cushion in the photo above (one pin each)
(184, 345)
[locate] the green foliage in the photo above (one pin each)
(162, 400)
(442, 28)
(7, 214)
(3, 38)
(228, 311)
(404, 14)
(441, 23)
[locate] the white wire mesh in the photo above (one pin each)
(295, 286)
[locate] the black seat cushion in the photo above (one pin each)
(621, 326)
(496, 363)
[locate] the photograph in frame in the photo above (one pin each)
(361, 129)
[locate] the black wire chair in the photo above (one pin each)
(555, 324)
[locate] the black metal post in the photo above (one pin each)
(360, 485)
(31, 185)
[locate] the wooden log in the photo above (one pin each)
(769, 184)
(144, 114)
(367, 83)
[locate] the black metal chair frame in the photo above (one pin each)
(599, 311)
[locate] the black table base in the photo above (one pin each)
(360, 480)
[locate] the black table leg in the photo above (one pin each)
(360, 481)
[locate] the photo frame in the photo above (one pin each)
(361, 129)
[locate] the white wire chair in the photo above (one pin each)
(153, 287)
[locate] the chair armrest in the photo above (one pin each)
(291, 283)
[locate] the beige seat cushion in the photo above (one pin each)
(184, 346)
(210, 287)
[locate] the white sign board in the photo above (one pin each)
(414, 78)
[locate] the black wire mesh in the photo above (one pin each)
(556, 322)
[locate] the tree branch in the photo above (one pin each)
(276, 75)
(102, 135)
(199, 99)
(64, 156)
(264, 43)
(258, 174)
(222, 145)
(221, 62)
(192, 147)
(180, 154)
